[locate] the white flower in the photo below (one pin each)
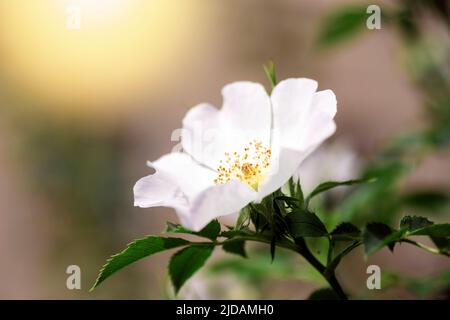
(241, 153)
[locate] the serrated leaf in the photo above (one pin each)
(235, 247)
(346, 231)
(324, 294)
(346, 228)
(135, 251)
(333, 184)
(304, 223)
(377, 235)
(211, 231)
(412, 223)
(186, 262)
(435, 230)
(420, 226)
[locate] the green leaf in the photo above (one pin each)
(346, 231)
(235, 247)
(324, 294)
(258, 215)
(211, 231)
(421, 226)
(304, 223)
(333, 184)
(273, 246)
(186, 262)
(443, 244)
(412, 223)
(435, 230)
(296, 192)
(244, 217)
(269, 69)
(342, 25)
(237, 233)
(135, 251)
(377, 235)
(290, 201)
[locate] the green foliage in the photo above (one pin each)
(333, 184)
(377, 235)
(211, 231)
(346, 231)
(244, 218)
(235, 247)
(435, 230)
(296, 192)
(304, 223)
(269, 69)
(135, 251)
(186, 262)
(341, 25)
(286, 225)
(410, 223)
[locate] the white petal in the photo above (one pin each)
(216, 201)
(245, 116)
(181, 183)
(178, 179)
(303, 119)
(154, 190)
(291, 103)
(320, 124)
(281, 170)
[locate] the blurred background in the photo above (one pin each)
(83, 107)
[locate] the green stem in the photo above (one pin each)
(330, 250)
(332, 265)
(424, 247)
(329, 275)
(301, 248)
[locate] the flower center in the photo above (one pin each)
(249, 165)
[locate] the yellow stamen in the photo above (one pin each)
(249, 166)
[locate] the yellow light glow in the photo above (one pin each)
(121, 47)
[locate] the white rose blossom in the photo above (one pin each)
(240, 153)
